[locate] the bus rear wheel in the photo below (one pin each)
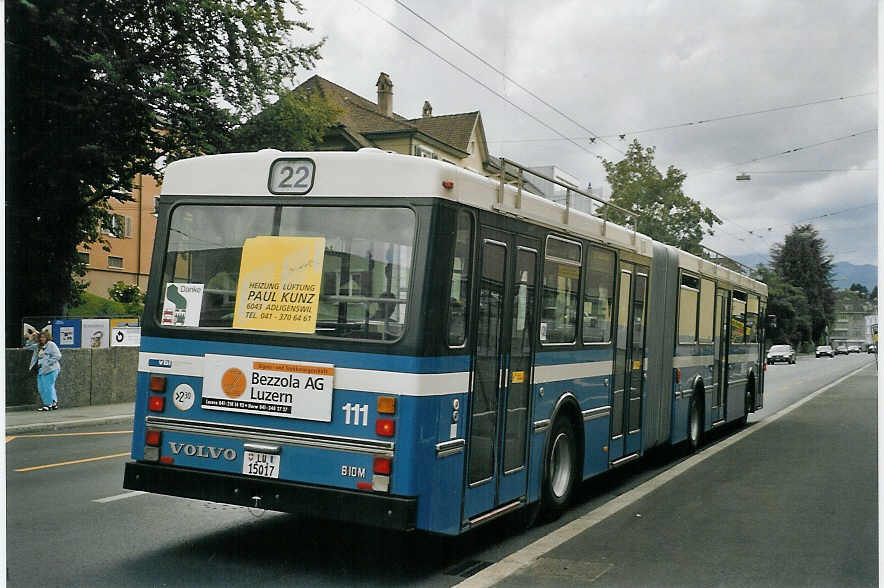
(695, 425)
(560, 469)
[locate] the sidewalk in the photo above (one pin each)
(19, 422)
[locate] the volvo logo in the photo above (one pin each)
(206, 451)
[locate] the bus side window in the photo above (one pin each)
(738, 317)
(707, 310)
(752, 320)
(561, 291)
(459, 297)
(688, 299)
(598, 297)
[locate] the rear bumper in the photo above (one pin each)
(360, 506)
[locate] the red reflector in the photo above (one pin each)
(168, 459)
(157, 383)
(363, 485)
(385, 427)
(152, 438)
(678, 375)
(383, 465)
(156, 403)
(448, 184)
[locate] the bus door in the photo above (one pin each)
(502, 375)
(629, 362)
(722, 312)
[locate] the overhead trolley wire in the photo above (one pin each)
(593, 134)
(741, 114)
(786, 152)
(812, 171)
(481, 83)
(693, 123)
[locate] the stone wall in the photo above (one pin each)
(88, 376)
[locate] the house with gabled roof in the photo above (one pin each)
(456, 138)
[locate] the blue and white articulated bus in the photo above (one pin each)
(400, 342)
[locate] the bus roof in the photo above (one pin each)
(372, 172)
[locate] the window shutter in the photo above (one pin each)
(128, 227)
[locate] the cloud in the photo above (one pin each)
(625, 66)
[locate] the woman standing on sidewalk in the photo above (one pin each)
(47, 356)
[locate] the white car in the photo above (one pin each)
(778, 353)
(825, 350)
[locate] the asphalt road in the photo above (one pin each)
(69, 522)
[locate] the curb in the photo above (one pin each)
(62, 425)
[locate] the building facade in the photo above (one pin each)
(130, 241)
(852, 325)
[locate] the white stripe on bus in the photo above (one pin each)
(571, 371)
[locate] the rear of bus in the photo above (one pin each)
(284, 353)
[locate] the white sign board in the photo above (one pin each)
(126, 337)
(66, 336)
(270, 387)
(182, 304)
(95, 334)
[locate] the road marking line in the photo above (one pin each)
(120, 496)
(72, 434)
(523, 558)
(9, 438)
(64, 463)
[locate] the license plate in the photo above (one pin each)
(263, 465)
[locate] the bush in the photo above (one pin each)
(93, 305)
(126, 293)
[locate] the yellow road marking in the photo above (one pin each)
(71, 434)
(64, 463)
(9, 438)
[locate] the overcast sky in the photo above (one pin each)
(627, 66)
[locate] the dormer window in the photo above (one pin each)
(421, 151)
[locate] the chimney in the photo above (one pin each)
(428, 110)
(385, 95)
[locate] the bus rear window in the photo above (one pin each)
(366, 267)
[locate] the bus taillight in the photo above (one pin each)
(152, 441)
(385, 427)
(157, 384)
(387, 404)
(152, 438)
(156, 403)
(383, 465)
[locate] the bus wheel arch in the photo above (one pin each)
(562, 457)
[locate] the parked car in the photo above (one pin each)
(873, 348)
(841, 350)
(826, 350)
(779, 353)
(853, 349)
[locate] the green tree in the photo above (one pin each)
(97, 92)
(296, 122)
(666, 214)
(860, 289)
(801, 260)
(789, 304)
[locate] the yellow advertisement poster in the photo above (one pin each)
(278, 288)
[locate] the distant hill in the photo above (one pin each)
(844, 273)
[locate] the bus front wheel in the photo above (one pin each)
(560, 468)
